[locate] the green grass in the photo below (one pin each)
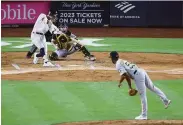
(160, 45)
(45, 103)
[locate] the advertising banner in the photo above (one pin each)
(87, 13)
(24, 12)
(164, 14)
(128, 13)
(182, 13)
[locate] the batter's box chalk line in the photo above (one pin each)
(87, 62)
(58, 65)
(15, 66)
(92, 67)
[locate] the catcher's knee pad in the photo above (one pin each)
(53, 56)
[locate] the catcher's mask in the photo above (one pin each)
(114, 56)
(63, 28)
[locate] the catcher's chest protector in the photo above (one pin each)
(62, 41)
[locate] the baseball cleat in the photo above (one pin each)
(167, 104)
(141, 117)
(35, 60)
(48, 64)
(90, 58)
(29, 55)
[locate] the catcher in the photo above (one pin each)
(66, 43)
(130, 71)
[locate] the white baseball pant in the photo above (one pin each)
(39, 41)
(142, 81)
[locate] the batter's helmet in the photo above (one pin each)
(53, 16)
(114, 55)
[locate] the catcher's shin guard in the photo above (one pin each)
(85, 51)
(53, 56)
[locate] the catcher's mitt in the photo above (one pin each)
(132, 92)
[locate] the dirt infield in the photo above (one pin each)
(128, 122)
(74, 68)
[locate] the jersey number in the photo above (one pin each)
(130, 64)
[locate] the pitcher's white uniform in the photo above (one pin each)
(142, 81)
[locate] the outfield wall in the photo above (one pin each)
(96, 14)
(105, 32)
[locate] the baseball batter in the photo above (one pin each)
(48, 36)
(142, 81)
(42, 25)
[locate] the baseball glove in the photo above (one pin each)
(132, 92)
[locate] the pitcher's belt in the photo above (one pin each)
(38, 33)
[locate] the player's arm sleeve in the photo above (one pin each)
(42, 17)
(120, 69)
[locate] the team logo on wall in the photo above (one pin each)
(125, 6)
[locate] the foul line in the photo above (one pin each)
(28, 70)
(91, 67)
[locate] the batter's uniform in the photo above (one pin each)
(41, 26)
(142, 81)
(48, 36)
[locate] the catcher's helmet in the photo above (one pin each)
(114, 55)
